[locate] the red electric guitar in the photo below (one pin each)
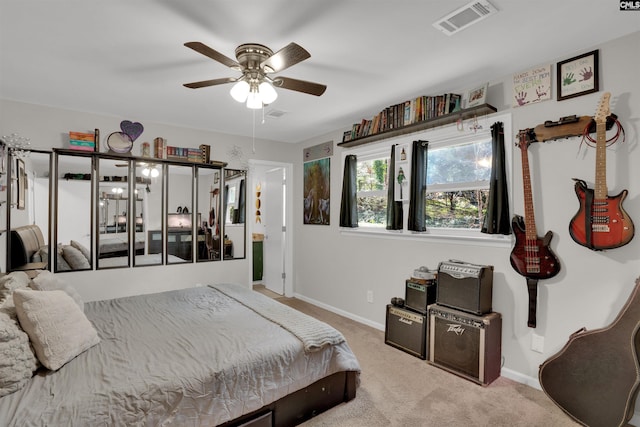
(531, 256)
(601, 222)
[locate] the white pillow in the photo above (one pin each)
(17, 360)
(57, 328)
(11, 282)
(47, 281)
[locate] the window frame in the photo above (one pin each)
(374, 155)
(438, 137)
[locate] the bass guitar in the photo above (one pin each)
(601, 222)
(531, 256)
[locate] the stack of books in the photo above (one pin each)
(405, 113)
(184, 154)
(84, 141)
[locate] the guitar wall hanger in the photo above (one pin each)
(570, 126)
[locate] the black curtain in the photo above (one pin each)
(241, 203)
(496, 219)
(418, 188)
(394, 208)
(348, 204)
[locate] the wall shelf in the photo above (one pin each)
(446, 119)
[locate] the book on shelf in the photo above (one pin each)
(421, 108)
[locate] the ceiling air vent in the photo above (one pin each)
(467, 15)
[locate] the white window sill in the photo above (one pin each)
(450, 236)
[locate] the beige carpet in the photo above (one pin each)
(398, 389)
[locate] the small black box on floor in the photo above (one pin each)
(406, 330)
(420, 294)
(466, 287)
(467, 345)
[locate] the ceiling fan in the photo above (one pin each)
(256, 62)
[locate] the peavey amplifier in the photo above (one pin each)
(419, 294)
(467, 345)
(467, 287)
(406, 330)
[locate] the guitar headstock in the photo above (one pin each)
(603, 108)
(525, 138)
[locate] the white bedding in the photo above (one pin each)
(186, 358)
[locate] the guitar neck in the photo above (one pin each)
(600, 191)
(529, 217)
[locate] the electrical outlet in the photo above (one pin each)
(537, 343)
(370, 297)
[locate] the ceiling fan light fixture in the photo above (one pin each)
(267, 92)
(240, 91)
(254, 100)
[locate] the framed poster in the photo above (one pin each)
(532, 86)
(317, 191)
(578, 76)
(21, 184)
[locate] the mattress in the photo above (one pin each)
(191, 357)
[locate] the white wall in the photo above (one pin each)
(48, 127)
(337, 270)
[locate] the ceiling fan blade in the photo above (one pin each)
(213, 54)
(311, 88)
(205, 83)
(289, 55)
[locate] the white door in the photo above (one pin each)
(273, 221)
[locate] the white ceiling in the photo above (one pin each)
(127, 59)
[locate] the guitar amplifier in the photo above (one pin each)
(464, 286)
(466, 345)
(419, 294)
(406, 330)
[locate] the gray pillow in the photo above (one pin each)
(18, 361)
(79, 246)
(12, 281)
(74, 258)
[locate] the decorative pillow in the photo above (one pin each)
(47, 281)
(17, 360)
(12, 281)
(57, 328)
(79, 246)
(74, 258)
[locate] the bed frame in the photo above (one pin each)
(303, 404)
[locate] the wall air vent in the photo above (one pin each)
(464, 17)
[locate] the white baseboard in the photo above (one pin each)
(343, 313)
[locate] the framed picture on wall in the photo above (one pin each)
(476, 96)
(21, 184)
(578, 76)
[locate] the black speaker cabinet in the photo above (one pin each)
(406, 330)
(467, 345)
(466, 287)
(419, 294)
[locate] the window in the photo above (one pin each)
(458, 184)
(372, 190)
(459, 163)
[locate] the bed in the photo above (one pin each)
(203, 356)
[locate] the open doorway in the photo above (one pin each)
(270, 219)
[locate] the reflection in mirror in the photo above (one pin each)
(148, 214)
(180, 214)
(234, 198)
(208, 206)
(74, 213)
(113, 209)
(30, 217)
